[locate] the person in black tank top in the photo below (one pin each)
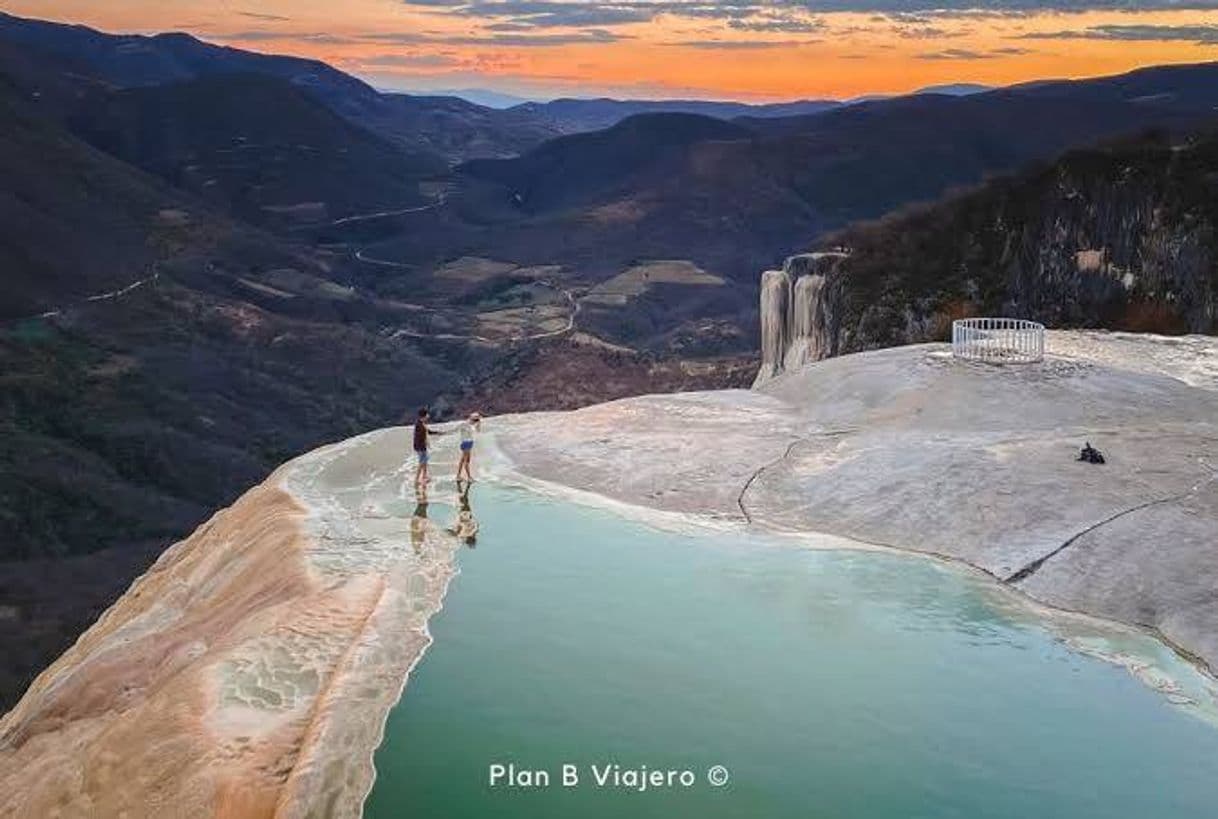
(422, 436)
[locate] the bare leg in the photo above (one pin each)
(420, 473)
(463, 464)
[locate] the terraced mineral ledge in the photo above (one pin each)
(249, 672)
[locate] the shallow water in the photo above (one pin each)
(828, 683)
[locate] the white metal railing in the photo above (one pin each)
(1000, 340)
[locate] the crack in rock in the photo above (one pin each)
(787, 454)
(1033, 567)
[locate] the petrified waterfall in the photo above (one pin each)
(808, 342)
(798, 319)
(775, 311)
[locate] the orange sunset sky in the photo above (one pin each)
(662, 48)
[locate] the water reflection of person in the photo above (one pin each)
(419, 521)
(464, 526)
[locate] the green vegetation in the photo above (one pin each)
(1123, 236)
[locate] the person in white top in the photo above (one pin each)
(469, 429)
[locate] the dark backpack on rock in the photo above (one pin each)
(1091, 455)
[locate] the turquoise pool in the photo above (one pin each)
(827, 683)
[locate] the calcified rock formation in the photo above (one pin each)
(248, 673)
(798, 313)
(775, 322)
(909, 448)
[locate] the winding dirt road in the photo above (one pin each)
(110, 295)
(570, 326)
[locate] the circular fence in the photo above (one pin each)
(1000, 340)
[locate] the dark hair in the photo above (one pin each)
(423, 412)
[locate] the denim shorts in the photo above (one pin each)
(466, 446)
(421, 454)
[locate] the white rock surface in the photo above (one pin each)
(911, 449)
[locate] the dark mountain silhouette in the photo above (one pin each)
(597, 165)
(75, 221)
(956, 89)
(133, 60)
(257, 145)
(446, 126)
(455, 128)
(576, 115)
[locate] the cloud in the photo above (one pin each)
(269, 18)
(969, 54)
(744, 15)
(542, 23)
(1204, 35)
(786, 25)
(614, 12)
(411, 38)
(740, 45)
(954, 54)
(927, 10)
(928, 33)
(409, 61)
(593, 35)
(258, 36)
(549, 13)
(394, 37)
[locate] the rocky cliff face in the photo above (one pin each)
(1123, 237)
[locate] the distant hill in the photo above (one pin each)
(479, 96)
(575, 115)
(133, 60)
(75, 221)
(456, 128)
(257, 145)
(956, 89)
(1139, 96)
(590, 167)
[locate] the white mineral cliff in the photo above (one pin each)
(775, 311)
(248, 672)
(797, 314)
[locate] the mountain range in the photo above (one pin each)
(716, 108)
